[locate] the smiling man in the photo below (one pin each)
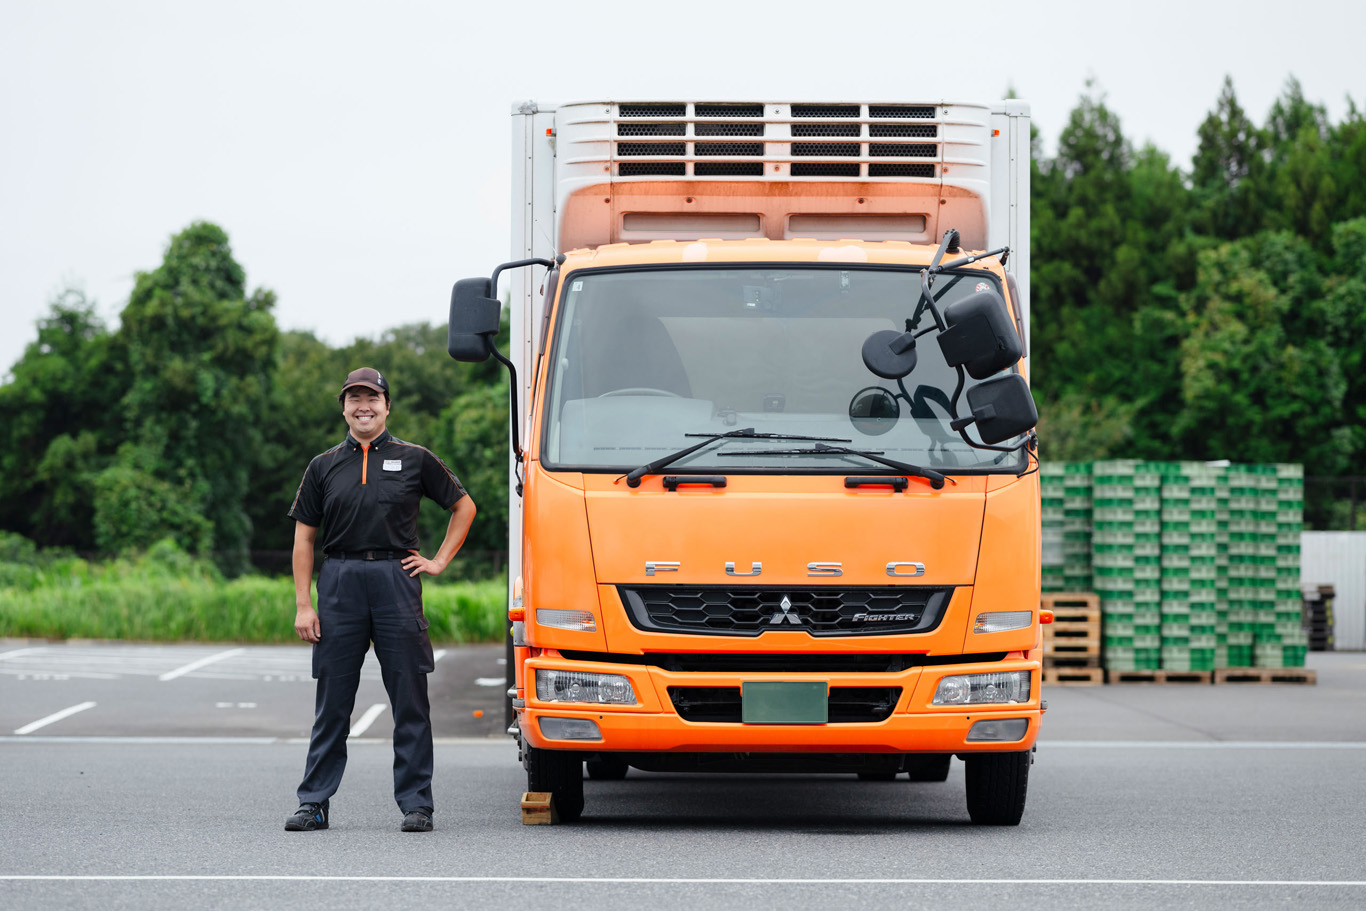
(365, 493)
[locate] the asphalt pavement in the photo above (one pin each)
(172, 787)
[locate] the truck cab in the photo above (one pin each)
(777, 507)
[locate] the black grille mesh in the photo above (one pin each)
(710, 610)
(728, 169)
(651, 129)
(917, 130)
(728, 129)
(651, 148)
(728, 148)
(902, 150)
(825, 149)
(652, 110)
(825, 169)
(907, 169)
(825, 110)
(846, 704)
(918, 111)
(801, 130)
(651, 169)
(728, 110)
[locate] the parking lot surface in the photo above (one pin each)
(160, 776)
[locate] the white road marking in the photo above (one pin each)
(151, 740)
(19, 651)
(438, 655)
(363, 723)
(196, 665)
(490, 681)
(55, 716)
(672, 880)
(498, 740)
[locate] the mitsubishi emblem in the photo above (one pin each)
(784, 614)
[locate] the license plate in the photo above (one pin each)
(784, 702)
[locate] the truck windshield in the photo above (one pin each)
(643, 357)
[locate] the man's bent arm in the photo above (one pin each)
(462, 516)
(305, 617)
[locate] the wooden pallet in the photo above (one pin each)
(1072, 640)
(1074, 676)
(1158, 676)
(1069, 602)
(1266, 675)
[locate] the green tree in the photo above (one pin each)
(201, 351)
(1227, 167)
(1260, 382)
(62, 427)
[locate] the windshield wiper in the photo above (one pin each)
(935, 478)
(634, 475)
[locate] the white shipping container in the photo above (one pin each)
(1338, 558)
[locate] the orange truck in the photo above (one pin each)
(774, 491)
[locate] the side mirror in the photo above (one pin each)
(1001, 408)
(980, 335)
(475, 315)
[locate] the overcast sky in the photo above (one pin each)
(357, 153)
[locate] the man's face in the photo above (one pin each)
(365, 411)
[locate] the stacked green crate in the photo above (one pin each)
(1292, 640)
(1208, 568)
(1251, 607)
(1239, 615)
(1076, 530)
(1051, 493)
(1148, 594)
(1112, 559)
(1189, 608)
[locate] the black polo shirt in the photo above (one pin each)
(366, 498)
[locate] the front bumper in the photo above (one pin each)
(654, 725)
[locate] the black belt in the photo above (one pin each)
(369, 555)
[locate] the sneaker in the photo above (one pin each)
(419, 820)
(308, 817)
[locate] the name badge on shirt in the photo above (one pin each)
(393, 464)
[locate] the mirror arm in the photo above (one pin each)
(512, 370)
(493, 279)
(968, 260)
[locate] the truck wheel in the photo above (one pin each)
(561, 773)
(876, 776)
(996, 787)
(607, 768)
(929, 768)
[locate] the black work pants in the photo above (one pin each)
(360, 602)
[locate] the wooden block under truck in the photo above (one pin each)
(774, 494)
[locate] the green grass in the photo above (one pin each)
(168, 597)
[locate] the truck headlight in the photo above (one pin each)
(1001, 621)
(580, 686)
(581, 620)
(983, 689)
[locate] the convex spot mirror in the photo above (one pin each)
(475, 315)
(1002, 408)
(980, 335)
(890, 354)
(874, 411)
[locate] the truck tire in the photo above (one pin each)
(561, 773)
(996, 787)
(606, 767)
(929, 768)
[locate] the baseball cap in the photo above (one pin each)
(368, 377)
